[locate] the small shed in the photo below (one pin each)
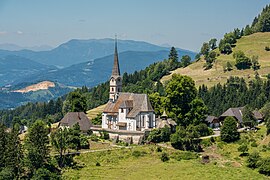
(71, 118)
(165, 121)
(213, 121)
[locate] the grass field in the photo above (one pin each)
(250, 45)
(94, 112)
(225, 163)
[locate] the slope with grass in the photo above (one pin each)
(92, 113)
(251, 45)
(143, 162)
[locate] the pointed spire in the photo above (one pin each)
(116, 69)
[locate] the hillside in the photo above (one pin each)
(94, 72)
(251, 45)
(143, 162)
(13, 68)
(21, 94)
(36, 87)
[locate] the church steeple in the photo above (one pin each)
(116, 69)
(116, 80)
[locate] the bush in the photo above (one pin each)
(97, 120)
(243, 148)
(160, 135)
(164, 157)
(159, 149)
(253, 159)
(206, 142)
(254, 144)
(104, 135)
(264, 167)
(44, 174)
(97, 164)
(203, 130)
(94, 137)
(138, 153)
(84, 142)
(89, 132)
(184, 155)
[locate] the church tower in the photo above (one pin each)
(116, 80)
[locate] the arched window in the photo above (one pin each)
(112, 89)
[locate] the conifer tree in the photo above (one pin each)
(37, 142)
(3, 142)
(173, 58)
(229, 130)
(14, 153)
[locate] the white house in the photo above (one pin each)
(126, 111)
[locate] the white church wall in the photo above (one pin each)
(104, 121)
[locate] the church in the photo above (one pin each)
(126, 111)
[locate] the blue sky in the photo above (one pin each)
(185, 24)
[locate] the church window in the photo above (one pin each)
(143, 121)
(122, 110)
(112, 89)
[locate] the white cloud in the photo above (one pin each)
(19, 32)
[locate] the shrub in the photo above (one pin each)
(206, 142)
(84, 142)
(89, 132)
(254, 144)
(160, 135)
(264, 167)
(164, 157)
(136, 153)
(159, 149)
(184, 155)
(97, 120)
(243, 148)
(203, 130)
(242, 61)
(94, 137)
(97, 164)
(104, 135)
(43, 174)
(253, 159)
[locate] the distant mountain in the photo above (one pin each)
(14, 47)
(78, 51)
(13, 68)
(92, 73)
